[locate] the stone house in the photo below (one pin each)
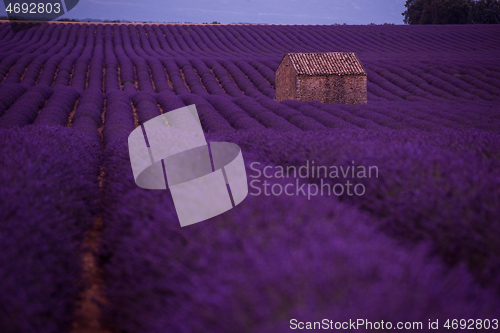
(334, 77)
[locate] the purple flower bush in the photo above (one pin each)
(210, 119)
(175, 76)
(419, 244)
(80, 78)
(237, 117)
(58, 107)
(119, 118)
(26, 108)
(191, 77)
(53, 63)
(224, 78)
(257, 79)
(268, 260)
(9, 93)
(263, 115)
(461, 166)
(88, 114)
(146, 105)
(65, 69)
(42, 233)
(207, 78)
(169, 101)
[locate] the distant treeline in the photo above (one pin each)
(125, 21)
(452, 12)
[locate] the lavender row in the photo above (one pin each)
(146, 106)
(9, 93)
(65, 69)
(325, 251)
(210, 119)
(127, 71)
(47, 42)
(119, 118)
(287, 115)
(24, 111)
(8, 60)
(144, 66)
(96, 64)
(80, 77)
(88, 114)
(208, 79)
(58, 108)
(44, 214)
(191, 78)
(256, 40)
(238, 118)
(54, 63)
(438, 187)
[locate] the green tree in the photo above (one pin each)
(485, 12)
(415, 10)
(450, 11)
(437, 12)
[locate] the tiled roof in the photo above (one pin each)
(332, 63)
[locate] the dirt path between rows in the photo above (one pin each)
(88, 311)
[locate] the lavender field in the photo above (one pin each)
(83, 249)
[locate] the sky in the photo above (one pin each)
(241, 11)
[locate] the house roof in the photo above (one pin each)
(331, 63)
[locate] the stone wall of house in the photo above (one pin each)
(347, 89)
(311, 88)
(354, 91)
(286, 80)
